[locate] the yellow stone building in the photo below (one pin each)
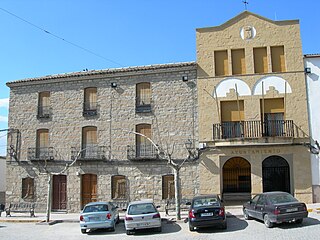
(253, 119)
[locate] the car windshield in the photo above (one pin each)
(202, 202)
(96, 208)
(281, 198)
(143, 208)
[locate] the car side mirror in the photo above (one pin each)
(158, 206)
(124, 209)
(188, 203)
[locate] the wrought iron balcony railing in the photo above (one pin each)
(43, 153)
(142, 152)
(89, 152)
(253, 129)
(90, 109)
(44, 112)
(143, 104)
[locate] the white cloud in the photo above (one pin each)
(3, 119)
(4, 102)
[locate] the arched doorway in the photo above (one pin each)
(275, 174)
(237, 176)
(88, 189)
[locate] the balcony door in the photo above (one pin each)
(273, 117)
(232, 113)
(42, 144)
(89, 142)
(143, 145)
(88, 189)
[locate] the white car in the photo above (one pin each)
(142, 215)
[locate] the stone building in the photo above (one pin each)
(312, 69)
(91, 116)
(252, 108)
(2, 179)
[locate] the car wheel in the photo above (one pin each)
(246, 214)
(83, 231)
(113, 228)
(191, 228)
(224, 225)
(299, 221)
(267, 221)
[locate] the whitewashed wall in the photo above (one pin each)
(313, 90)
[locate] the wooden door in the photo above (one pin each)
(89, 189)
(59, 193)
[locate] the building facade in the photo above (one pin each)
(2, 179)
(93, 117)
(252, 108)
(312, 69)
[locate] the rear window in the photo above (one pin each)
(203, 202)
(143, 208)
(96, 208)
(282, 198)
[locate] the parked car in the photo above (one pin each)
(142, 215)
(206, 211)
(275, 207)
(97, 215)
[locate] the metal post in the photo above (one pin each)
(49, 197)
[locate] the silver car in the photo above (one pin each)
(99, 215)
(142, 215)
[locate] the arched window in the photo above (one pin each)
(143, 97)
(27, 188)
(89, 142)
(118, 187)
(168, 186)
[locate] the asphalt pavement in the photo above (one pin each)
(58, 217)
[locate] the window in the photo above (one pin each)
(272, 111)
(90, 102)
(42, 144)
(232, 113)
(144, 147)
(143, 97)
(89, 142)
(118, 187)
(277, 58)
(260, 60)
(221, 63)
(44, 110)
(238, 61)
(168, 187)
(28, 188)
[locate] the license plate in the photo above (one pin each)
(143, 224)
(207, 214)
(292, 210)
(94, 219)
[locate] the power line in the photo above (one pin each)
(56, 36)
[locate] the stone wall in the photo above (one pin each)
(173, 121)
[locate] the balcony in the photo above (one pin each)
(89, 152)
(44, 153)
(142, 152)
(90, 109)
(143, 105)
(253, 129)
(44, 112)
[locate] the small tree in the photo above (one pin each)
(166, 155)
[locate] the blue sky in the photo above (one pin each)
(128, 32)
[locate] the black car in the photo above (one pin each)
(206, 211)
(275, 207)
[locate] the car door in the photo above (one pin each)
(260, 207)
(252, 206)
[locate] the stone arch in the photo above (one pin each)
(275, 174)
(228, 85)
(271, 83)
